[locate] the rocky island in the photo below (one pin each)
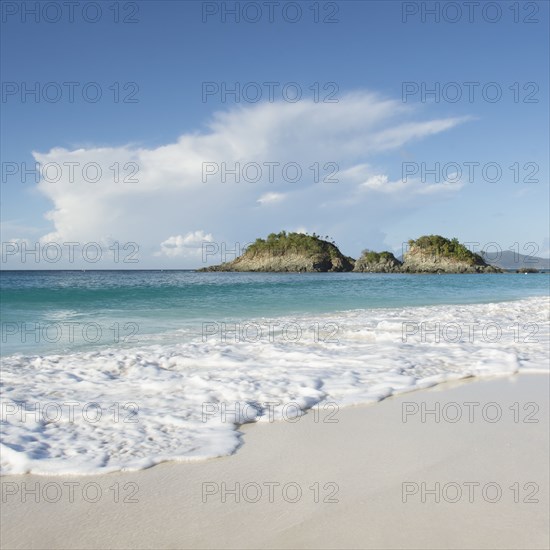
(436, 254)
(299, 252)
(289, 252)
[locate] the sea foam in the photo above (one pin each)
(128, 409)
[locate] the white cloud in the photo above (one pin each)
(184, 245)
(269, 198)
(167, 195)
(378, 182)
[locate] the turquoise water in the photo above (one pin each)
(60, 311)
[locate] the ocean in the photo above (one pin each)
(120, 370)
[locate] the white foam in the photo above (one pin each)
(172, 386)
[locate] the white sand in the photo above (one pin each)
(367, 455)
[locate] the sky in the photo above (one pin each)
(169, 134)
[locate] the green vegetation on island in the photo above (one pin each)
(281, 243)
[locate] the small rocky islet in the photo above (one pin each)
(303, 253)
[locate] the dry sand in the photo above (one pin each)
(360, 462)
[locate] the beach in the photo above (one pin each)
(471, 474)
(275, 275)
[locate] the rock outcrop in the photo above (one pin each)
(377, 262)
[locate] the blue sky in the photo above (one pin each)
(169, 132)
